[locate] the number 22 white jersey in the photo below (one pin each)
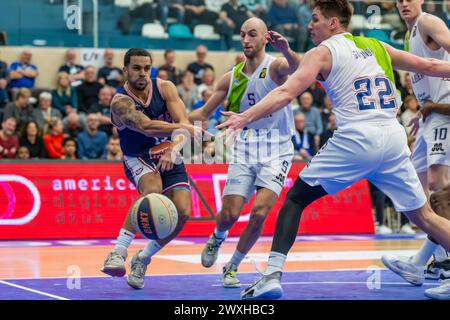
(361, 82)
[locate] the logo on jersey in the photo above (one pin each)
(437, 149)
(263, 73)
(236, 81)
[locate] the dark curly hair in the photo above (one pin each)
(341, 9)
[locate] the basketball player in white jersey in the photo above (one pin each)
(357, 74)
(428, 37)
(249, 168)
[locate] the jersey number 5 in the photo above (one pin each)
(374, 93)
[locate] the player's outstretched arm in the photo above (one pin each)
(218, 97)
(124, 111)
(433, 27)
(314, 62)
(406, 61)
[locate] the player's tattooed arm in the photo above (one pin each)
(218, 97)
(124, 111)
(406, 61)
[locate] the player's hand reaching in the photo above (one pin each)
(426, 110)
(277, 41)
(414, 124)
(168, 159)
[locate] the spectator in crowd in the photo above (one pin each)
(20, 109)
(44, 113)
(88, 90)
(23, 73)
(103, 110)
(406, 89)
(303, 10)
(69, 149)
(23, 153)
(139, 9)
(328, 132)
(215, 5)
(31, 137)
(318, 94)
(109, 74)
(163, 75)
(303, 140)
(389, 15)
(9, 143)
(187, 90)
(113, 151)
(4, 79)
(74, 70)
(437, 10)
(170, 8)
(216, 118)
(412, 107)
(195, 12)
(53, 139)
(173, 72)
(313, 119)
(64, 96)
(72, 125)
(197, 67)
(282, 18)
(232, 16)
(258, 7)
(91, 143)
(209, 81)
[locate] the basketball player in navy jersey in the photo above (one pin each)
(146, 112)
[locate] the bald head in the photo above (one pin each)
(255, 23)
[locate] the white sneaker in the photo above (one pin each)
(407, 229)
(268, 287)
(439, 293)
(383, 230)
(229, 279)
(404, 267)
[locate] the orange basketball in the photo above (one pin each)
(157, 151)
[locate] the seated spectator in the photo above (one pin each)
(64, 97)
(44, 113)
(9, 143)
(23, 153)
(318, 94)
(139, 9)
(170, 8)
(163, 75)
(282, 18)
(329, 131)
(4, 80)
(187, 90)
(88, 90)
(103, 110)
(197, 67)
(195, 13)
(20, 109)
(69, 149)
(74, 70)
(109, 74)
(407, 88)
(173, 72)
(412, 107)
(73, 125)
(313, 119)
(258, 7)
(91, 144)
(232, 16)
(53, 139)
(303, 140)
(216, 118)
(23, 73)
(209, 81)
(215, 5)
(303, 10)
(31, 137)
(113, 151)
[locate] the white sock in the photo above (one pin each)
(237, 258)
(440, 254)
(424, 254)
(220, 234)
(150, 250)
(276, 262)
(123, 241)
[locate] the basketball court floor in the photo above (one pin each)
(318, 267)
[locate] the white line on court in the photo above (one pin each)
(32, 290)
(338, 282)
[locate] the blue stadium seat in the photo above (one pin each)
(180, 31)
